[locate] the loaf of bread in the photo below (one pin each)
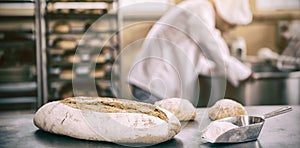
(66, 44)
(62, 27)
(226, 108)
(108, 119)
(181, 108)
(72, 58)
(66, 74)
(98, 73)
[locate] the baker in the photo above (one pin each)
(184, 43)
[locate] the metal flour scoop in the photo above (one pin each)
(248, 127)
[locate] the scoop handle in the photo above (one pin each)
(277, 112)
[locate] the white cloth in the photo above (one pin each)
(234, 11)
(179, 47)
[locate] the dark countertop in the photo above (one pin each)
(18, 130)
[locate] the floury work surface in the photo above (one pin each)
(18, 130)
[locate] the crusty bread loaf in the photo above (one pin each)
(108, 119)
(181, 108)
(226, 108)
(98, 73)
(62, 27)
(66, 74)
(65, 43)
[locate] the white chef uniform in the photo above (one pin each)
(179, 47)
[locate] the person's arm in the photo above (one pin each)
(210, 41)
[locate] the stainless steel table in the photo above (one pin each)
(18, 130)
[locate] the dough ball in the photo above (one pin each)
(226, 108)
(181, 108)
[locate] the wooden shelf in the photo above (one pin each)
(276, 15)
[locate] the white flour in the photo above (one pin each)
(215, 129)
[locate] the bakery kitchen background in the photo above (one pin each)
(44, 44)
(65, 67)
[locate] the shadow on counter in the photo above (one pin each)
(53, 140)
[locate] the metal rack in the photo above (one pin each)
(75, 43)
(18, 77)
(80, 47)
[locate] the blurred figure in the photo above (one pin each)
(185, 43)
(293, 45)
(289, 48)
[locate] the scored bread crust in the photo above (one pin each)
(107, 119)
(112, 105)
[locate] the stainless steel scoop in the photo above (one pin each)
(249, 127)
